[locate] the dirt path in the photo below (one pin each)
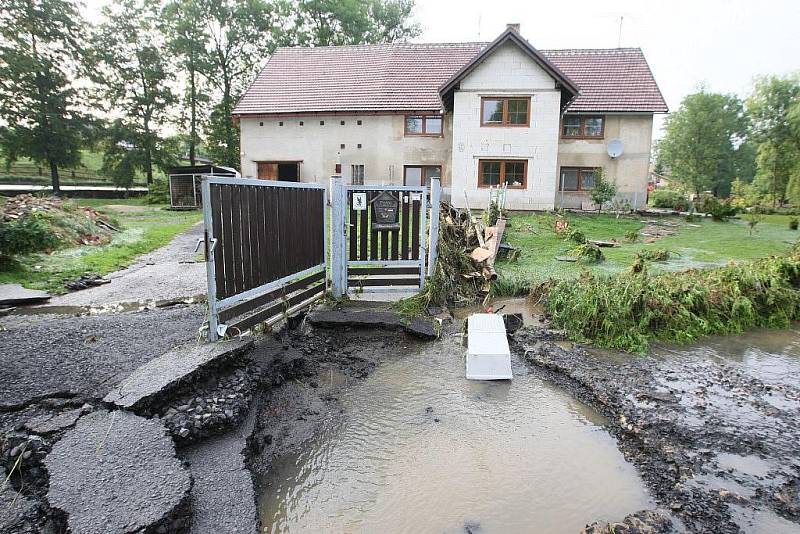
(167, 273)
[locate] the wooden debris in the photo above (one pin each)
(600, 243)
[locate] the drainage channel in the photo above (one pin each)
(422, 449)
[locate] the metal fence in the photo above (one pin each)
(265, 246)
(380, 237)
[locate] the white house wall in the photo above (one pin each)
(510, 72)
(384, 148)
(629, 171)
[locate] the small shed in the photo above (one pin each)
(184, 184)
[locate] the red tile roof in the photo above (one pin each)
(614, 79)
(407, 77)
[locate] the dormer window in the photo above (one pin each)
(583, 127)
(505, 111)
(424, 125)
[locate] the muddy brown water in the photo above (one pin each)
(422, 449)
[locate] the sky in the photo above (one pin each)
(722, 45)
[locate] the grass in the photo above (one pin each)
(25, 171)
(706, 243)
(144, 228)
(629, 310)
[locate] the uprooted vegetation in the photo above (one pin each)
(627, 311)
(40, 224)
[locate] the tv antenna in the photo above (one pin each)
(619, 37)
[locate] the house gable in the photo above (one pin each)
(511, 37)
(508, 69)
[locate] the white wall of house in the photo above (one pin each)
(384, 148)
(629, 171)
(508, 71)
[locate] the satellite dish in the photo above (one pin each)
(615, 148)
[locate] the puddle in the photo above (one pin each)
(762, 521)
(423, 449)
(531, 313)
(118, 307)
(749, 465)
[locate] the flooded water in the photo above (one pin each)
(422, 449)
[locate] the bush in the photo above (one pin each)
(793, 223)
(24, 236)
(629, 310)
(604, 190)
(573, 234)
(158, 192)
(669, 199)
(588, 253)
(718, 209)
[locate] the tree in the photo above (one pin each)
(186, 36)
(131, 70)
(241, 35)
(701, 141)
(775, 110)
(341, 22)
(40, 51)
(604, 190)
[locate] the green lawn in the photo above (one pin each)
(702, 244)
(24, 171)
(143, 229)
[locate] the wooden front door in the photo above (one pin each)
(267, 171)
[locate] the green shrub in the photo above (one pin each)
(588, 253)
(27, 235)
(158, 192)
(628, 310)
(793, 223)
(656, 254)
(632, 236)
(718, 209)
(573, 234)
(669, 199)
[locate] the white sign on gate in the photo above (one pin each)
(359, 201)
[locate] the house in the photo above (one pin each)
(473, 114)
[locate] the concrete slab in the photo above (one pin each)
(161, 376)
(373, 318)
(50, 424)
(117, 472)
(16, 295)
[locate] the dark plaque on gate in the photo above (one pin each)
(385, 209)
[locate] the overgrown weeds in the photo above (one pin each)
(628, 311)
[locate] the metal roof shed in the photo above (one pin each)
(184, 184)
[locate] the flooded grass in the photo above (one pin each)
(705, 243)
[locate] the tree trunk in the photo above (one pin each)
(193, 119)
(55, 178)
(228, 108)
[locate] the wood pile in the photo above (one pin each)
(466, 256)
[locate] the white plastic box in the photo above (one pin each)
(488, 355)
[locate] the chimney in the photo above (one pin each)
(513, 26)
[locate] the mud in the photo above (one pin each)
(713, 436)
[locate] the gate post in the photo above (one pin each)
(211, 269)
(338, 242)
(433, 239)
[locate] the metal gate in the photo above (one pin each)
(265, 248)
(379, 237)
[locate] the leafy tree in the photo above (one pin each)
(131, 69)
(340, 22)
(701, 141)
(604, 190)
(775, 110)
(241, 35)
(40, 51)
(185, 30)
